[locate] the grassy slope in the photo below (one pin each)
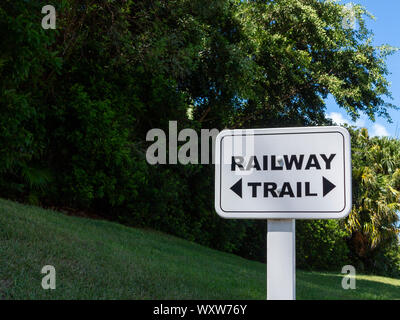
(102, 260)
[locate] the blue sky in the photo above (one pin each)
(386, 29)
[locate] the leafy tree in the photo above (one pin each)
(76, 102)
(373, 221)
(300, 52)
(321, 244)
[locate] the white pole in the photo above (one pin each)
(281, 259)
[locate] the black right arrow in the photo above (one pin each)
(327, 186)
(237, 188)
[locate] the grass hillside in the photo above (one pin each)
(102, 260)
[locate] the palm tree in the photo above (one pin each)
(373, 221)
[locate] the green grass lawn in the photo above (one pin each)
(102, 260)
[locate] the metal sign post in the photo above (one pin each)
(281, 260)
(283, 174)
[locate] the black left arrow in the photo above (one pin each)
(237, 188)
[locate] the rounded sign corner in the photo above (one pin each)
(346, 211)
(220, 212)
(344, 131)
(224, 133)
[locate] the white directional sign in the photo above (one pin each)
(286, 173)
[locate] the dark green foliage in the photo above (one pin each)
(25, 63)
(76, 103)
(321, 244)
(82, 98)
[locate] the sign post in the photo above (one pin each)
(281, 175)
(281, 260)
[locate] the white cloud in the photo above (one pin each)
(338, 118)
(379, 130)
(360, 122)
(375, 129)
